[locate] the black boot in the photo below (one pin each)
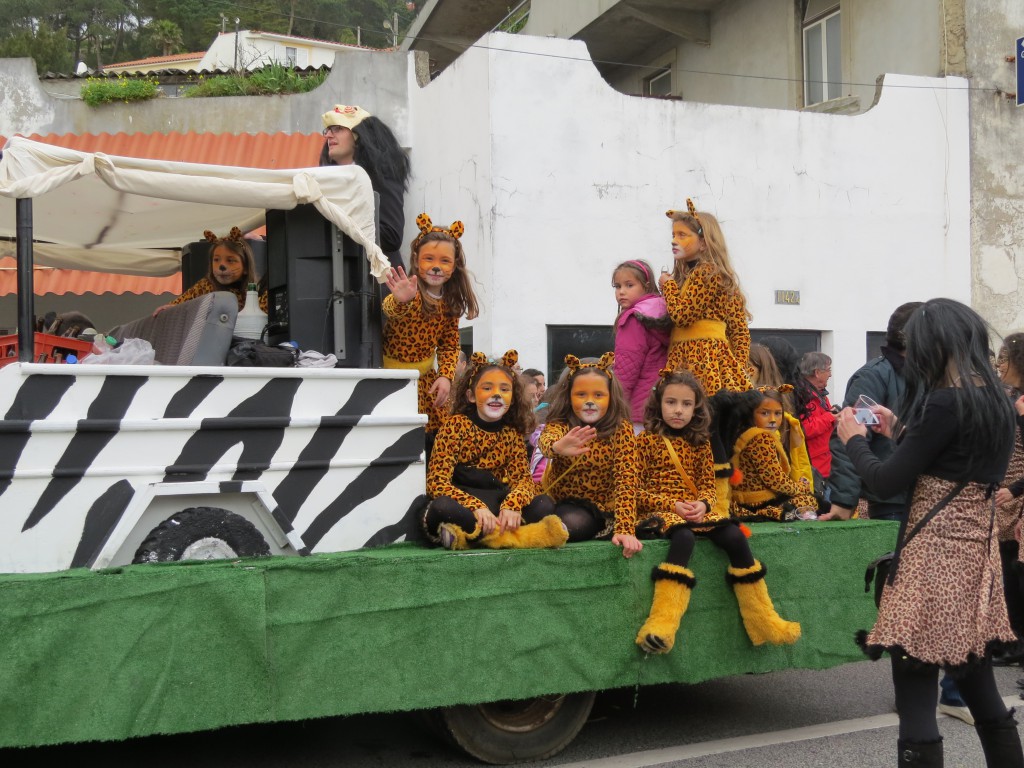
(1000, 742)
(921, 754)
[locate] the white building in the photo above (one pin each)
(252, 49)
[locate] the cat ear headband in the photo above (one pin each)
(604, 364)
(782, 389)
(426, 226)
(235, 234)
(692, 211)
(479, 360)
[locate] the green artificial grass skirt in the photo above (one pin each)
(170, 648)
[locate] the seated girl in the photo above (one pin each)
(479, 478)
(232, 268)
(766, 485)
(677, 501)
(591, 450)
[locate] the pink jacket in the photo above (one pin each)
(640, 351)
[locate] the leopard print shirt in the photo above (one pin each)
(606, 476)
(502, 452)
(717, 364)
(766, 476)
(411, 335)
(204, 286)
(662, 486)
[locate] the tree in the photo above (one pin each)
(166, 35)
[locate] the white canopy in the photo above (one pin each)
(120, 214)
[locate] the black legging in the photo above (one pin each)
(583, 521)
(729, 538)
(445, 509)
(917, 697)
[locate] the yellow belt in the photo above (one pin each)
(423, 366)
(702, 329)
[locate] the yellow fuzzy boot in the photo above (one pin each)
(550, 532)
(454, 537)
(763, 624)
(672, 587)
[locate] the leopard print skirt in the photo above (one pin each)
(946, 605)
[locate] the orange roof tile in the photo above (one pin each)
(158, 59)
(78, 282)
(246, 150)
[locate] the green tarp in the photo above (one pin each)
(181, 647)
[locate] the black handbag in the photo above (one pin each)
(251, 353)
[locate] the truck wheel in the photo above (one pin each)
(202, 533)
(506, 732)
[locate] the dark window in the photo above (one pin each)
(802, 341)
(875, 340)
(580, 340)
(466, 341)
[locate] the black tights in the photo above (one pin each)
(582, 522)
(445, 509)
(729, 538)
(917, 696)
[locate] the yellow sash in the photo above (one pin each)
(423, 366)
(691, 489)
(702, 329)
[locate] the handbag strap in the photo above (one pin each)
(545, 484)
(687, 480)
(904, 540)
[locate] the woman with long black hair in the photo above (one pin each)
(943, 605)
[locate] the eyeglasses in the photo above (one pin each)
(333, 129)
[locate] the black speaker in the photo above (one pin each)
(320, 293)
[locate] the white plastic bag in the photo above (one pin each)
(131, 352)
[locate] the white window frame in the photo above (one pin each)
(291, 55)
(828, 79)
(664, 73)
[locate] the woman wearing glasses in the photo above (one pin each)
(353, 135)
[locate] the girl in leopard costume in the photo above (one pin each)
(422, 312)
(677, 502)
(479, 479)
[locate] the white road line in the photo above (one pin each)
(655, 757)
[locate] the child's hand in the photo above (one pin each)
(441, 388)
(402, 287)
(509, 520)
(630, 544)
(574, 443)
(691, 511)
(158, 310)
(488, 522)
(1003, 496)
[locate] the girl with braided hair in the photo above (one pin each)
(479, 479)
(421, 330)
(232, 268)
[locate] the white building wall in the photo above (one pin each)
(559, 178)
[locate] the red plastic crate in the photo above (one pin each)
(47, 345)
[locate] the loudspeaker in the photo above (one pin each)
(320, 293)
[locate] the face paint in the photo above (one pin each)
(686, 244)
(678, 402)
(227, 266)
(492, 395)
(589, 397)
(435, 262)
(768, 414)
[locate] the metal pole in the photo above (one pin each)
(394, 29)
(26, 287)
(236, 43)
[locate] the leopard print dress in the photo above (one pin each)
(663, 487)
(204, 286)
(946, 604)
(711, 338)
(769, 488)
(605, 478)
(412, 339)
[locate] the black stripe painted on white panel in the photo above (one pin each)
(293, 491)
(216, 436)
(395, 459)
(36, 398)
(188, 398)
(100, 520)
(95, 431)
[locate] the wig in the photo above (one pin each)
(377, 152)
(699, 429)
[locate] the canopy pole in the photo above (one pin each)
(26, 287)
